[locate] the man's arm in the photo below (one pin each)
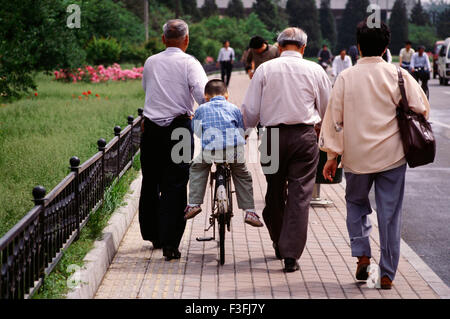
(197, 81)
(251, 105)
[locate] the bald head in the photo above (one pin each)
(176, 34)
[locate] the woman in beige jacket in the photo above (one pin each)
(360, 124)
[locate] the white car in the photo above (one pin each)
(444, 63)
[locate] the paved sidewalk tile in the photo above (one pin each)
(251, 269)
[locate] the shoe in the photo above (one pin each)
(252, 219)
(156, 245)
(385, 283)
(277, 251)
(290, 265)
(171, 253)
(361, 270)
(191, 211)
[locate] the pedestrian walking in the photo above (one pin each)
(341, 62)
(421, 68)
(172, 80)
(260, 51)
(360, 124)
(353, 53)
(288, 95)
(226, 59)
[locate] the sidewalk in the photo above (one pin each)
(251, 269)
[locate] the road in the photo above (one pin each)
(426, 212)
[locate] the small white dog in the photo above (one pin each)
(373, 281)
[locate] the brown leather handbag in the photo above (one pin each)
(417, 136)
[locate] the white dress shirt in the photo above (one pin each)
(172, 80)
(226, 55)
(340, 65)
(418, 61)
(286, 90)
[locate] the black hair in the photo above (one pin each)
(408, 42)
(324, 45)
(343, 49)
(215, 87)
(226, 42)
(257, 42)
(372, 41)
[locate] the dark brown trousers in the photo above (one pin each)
(289, 190)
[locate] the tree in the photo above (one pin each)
(209, 8)
(355, 11)
(190, 8)
(303, 14)
(443, 24)
(267, 12)
(398, 23)
(235, 9)
(327, 23)
(418, 15)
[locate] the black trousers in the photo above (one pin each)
(164, 185)
(225, 69)
(423, 76)
(289, 190)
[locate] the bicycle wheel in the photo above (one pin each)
(222, 224)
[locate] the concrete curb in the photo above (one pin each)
(435, 282)
(97, 261)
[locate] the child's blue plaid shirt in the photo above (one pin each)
(219, 124)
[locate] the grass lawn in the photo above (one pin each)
(40, 133)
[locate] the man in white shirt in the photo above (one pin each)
(341, 62)
(172, 80)
(420, 68)
(405, 55)
(226, 58)
(288, 95)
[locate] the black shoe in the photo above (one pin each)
(291, 265)
(277, 251)
(171, 253)
(156, 245)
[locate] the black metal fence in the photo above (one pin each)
(33, 247)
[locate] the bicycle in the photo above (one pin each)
(221, 205)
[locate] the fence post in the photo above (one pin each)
(117, 130)
(101, 143)
(39, 200)
(75, 167)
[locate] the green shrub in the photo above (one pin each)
(154, 45)
(422, 35)
(134, 54)
(105, 51)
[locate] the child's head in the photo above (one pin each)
(214, 88)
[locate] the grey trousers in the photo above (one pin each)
(287, 207)
(242, 179)
(389, 190)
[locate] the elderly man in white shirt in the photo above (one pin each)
(288, 95)
(172, 80)
(226, 59)
(341, 62)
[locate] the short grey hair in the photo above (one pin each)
(292, 35)
(175, 29)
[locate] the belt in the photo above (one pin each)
(291, 125)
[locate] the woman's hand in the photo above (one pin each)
(329, 170)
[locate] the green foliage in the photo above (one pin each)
(303, 14)
(235, 9)
(33, 37)
(355, 12)
(207, 36)
(62, 126)
(105, 51)
(398, 23)
(136, 54)
(422, 35)
(268, 12)
(154, 45)
(443, 24)
(418, 15)
(328, 24)
(190, 9)
(209, 8)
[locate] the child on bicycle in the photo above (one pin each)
(220, 127)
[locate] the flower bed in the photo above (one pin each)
(98, 74)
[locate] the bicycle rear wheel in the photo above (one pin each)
(222, 224)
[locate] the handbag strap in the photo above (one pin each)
(401, 84)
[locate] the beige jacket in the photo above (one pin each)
(360, 121)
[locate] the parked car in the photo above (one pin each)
(444, 63)
(437, 48)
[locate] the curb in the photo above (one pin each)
(97, 261)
